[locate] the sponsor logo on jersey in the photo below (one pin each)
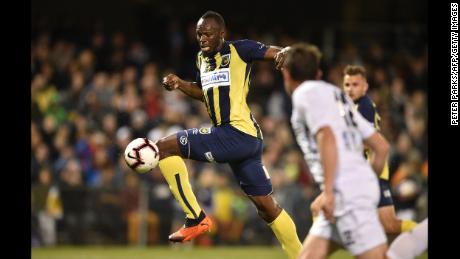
(215, 78)
(195, 131)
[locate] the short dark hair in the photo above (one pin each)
(302, 61)
(216, 16)
(352, 70)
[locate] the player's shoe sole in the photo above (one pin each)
(188, 233)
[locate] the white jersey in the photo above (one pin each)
(317, 104)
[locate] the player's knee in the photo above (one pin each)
(163, 145)
(168, 147)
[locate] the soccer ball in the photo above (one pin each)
(142, 155)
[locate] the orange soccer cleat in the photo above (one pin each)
(192, 229)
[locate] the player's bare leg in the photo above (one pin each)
(377, 252)
(267, 208)
(314, 247)
(315, 206)
(168, 147)
(280, 223)
(173, 168)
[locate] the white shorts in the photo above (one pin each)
(358, 229)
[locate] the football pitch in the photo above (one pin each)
(174, 252)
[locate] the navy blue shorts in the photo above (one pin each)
(226, 144)
(385, 194)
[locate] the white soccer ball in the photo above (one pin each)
(142, 155)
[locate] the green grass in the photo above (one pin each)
(173, 252)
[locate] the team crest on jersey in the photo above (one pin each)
(205, 130)
(225, 60)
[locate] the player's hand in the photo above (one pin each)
(328, 206)
(280, 57)
(171, 82)
(315, 206)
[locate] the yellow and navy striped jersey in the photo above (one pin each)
(367, 108)
(225, 78)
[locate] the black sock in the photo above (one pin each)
(194, 222)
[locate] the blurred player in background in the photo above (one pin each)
(222, 83)
(325, 120)
(355, 86)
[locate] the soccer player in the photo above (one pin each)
(355, 85)
(324, 118)
(235, 138)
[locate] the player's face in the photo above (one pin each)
(209, 35)
(355, 86)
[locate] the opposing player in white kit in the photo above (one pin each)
(326, 124)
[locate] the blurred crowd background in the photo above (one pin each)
(96, 84)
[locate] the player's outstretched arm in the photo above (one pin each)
(173, 82)
(328, 154)
(315, 206)
(278, 54)
(380, 149)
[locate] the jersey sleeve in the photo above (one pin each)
(366, 129)
(250, 50)
(319, 109)
(367, 110)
